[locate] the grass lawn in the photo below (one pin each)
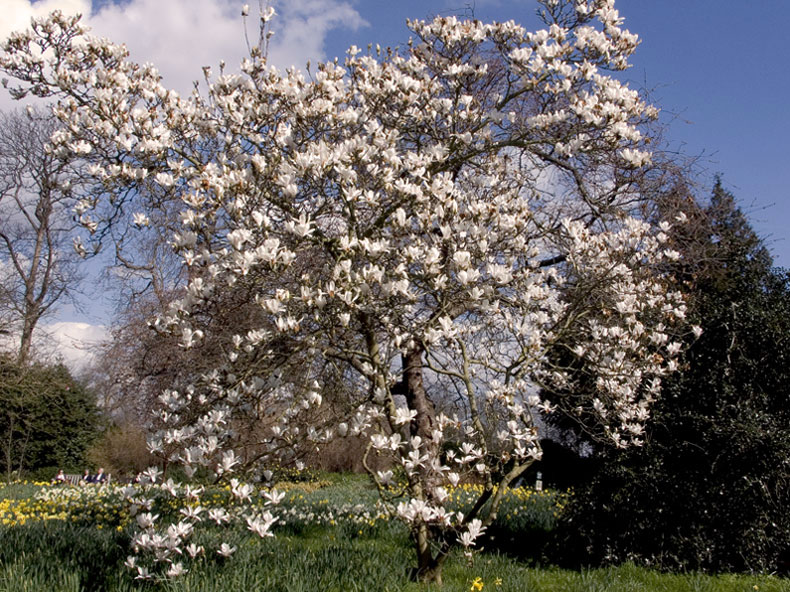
(330, 538)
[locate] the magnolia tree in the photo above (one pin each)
(429, 225)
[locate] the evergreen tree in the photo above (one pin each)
(710, 487)
(47, 419)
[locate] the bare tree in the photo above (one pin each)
(38, 267)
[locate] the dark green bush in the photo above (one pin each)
(47, 419)
(711, 486)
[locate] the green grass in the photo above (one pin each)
(18, 490)
(57, 555)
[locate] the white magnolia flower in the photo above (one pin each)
(219, 515)
(175, 570)
(140, 219)
(273, 497)
(385, 477)
(474, 530)
(146, 520)
(404, 415)
(262, 524)
(192, 512)
(242, 491)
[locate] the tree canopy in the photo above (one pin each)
(426, 224)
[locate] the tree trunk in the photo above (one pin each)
(26, 341)
(429, 566)
(416, 396)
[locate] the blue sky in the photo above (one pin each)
(722, 67)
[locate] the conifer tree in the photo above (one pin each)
(710, 487)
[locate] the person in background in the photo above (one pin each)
(100, 477)
(86, 477)
(60, 478)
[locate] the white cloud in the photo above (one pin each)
(181, 36)
(178, 36)
(71, 342)
(302, 28)
(16, 14)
